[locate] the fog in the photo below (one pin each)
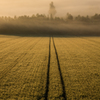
(29, 7)
(59, 18)
(38, 27)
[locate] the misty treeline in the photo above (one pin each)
(68, 17)
(42, 25)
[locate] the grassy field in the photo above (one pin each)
(49, 68)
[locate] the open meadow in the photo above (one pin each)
(49, 68)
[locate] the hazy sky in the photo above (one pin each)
(29, 7)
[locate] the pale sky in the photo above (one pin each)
(29, 7)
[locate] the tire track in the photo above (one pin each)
(48, 70)
(5, 71)
(61, 77)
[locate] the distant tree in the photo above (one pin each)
(87, 18)
(82, 18)
(96, 17)
(25, 17)
(33, 16)
(52, 10)
(69, 17)
(78, 18)
(37, 15)
(40, 16)
(57, 18)
(9, 18)
(15, 17)
(5, 18)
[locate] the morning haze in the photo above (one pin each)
(44, 56)
(29, 7)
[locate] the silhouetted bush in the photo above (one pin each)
(69, 17)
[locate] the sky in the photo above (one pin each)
(30, 7)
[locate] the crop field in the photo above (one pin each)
(49, 68)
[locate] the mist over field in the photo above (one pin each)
(49, 27)
(51, 23)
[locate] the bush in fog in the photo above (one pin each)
(82, 18)
(69, 17)
(96, 17)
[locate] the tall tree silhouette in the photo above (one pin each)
(52, 10)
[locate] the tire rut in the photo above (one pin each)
(48, 70)
(61, 77)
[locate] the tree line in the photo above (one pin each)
(67, 18)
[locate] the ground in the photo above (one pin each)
(53, 68)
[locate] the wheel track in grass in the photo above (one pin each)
(48, 71)
(61, 77)
(7, 70)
